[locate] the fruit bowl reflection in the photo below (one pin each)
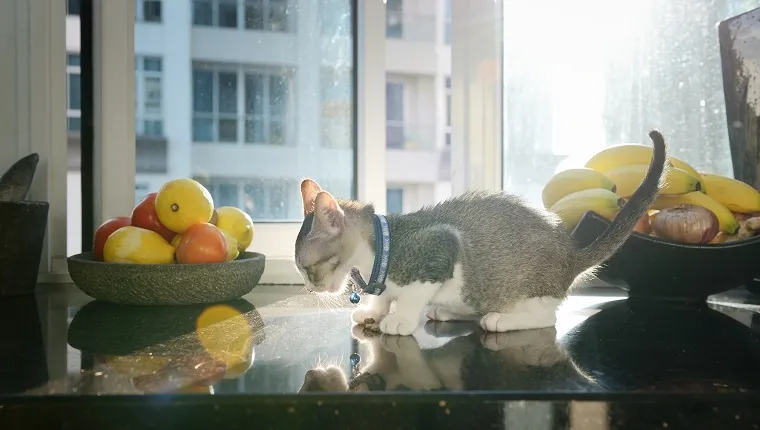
(166, 284)
(655, 268)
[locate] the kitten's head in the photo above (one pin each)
(323, 247)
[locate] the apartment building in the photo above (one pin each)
(229, 91)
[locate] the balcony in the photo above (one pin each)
(403, 135)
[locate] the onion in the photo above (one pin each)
(686, 224)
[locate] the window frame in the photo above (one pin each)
(476, 109)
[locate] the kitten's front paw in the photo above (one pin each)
(366, 316)
(397, 325)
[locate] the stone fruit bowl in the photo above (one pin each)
(166, 284)
(660, 269)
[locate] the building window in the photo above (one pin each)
(261, 198)
(262, 15)
(149, 96)
(73, 93)
(336, 114)
(394, 200)
(221, 95)
(73, 7)
(394, 114)
(394, 19)
(148, 10)
(448, 110)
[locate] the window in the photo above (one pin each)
(73, 93)
(395, 200)
(394, 114)
(447, 23)
(73, 7)
(334, 19)
(148, 96)
(222, 93)
(658, 67)
(394, 19)
(148, 10)
(262, 15)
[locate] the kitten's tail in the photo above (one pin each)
(642, 199)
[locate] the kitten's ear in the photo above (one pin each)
(309, 191)
(328, 216)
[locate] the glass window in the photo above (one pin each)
(253, 119)
(227, 13)
(202, 12)
(394, 200)
(149, 96)
(658, 67)
(73, 7)
(394, 19)
(75, 88)
(151, 10)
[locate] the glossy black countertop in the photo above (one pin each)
(70, 362)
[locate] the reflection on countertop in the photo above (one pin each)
(277, 341)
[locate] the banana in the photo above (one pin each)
(626, 154)
(675, 180)
(572, 207)
(732, 193)
(572, 180)
(726, 219)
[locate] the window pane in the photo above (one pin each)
(278, 15)
(228, 130)
(152, 64)
(75, 88)
(252, 115)
(73, 7)
(227, 195)
(395, 200)
(227, 92)
(73, 59)
(660, 67)
(227, 13)
(152, 93)
(74, 124)
(202, 14)
(203, 129)
(254, 14)
(254, 130)
(153, 127)
(203, 83)
(254, 94)
(152, 10)
(278, 95)
(394, 99)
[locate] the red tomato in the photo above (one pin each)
(105, 230)
(144, 215)
(202, 243)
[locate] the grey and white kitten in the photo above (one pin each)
(482, 256)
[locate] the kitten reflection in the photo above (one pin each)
(473, 360)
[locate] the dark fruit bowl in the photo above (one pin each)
(166, 284)
(654, 268)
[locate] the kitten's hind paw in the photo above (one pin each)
(397, 325)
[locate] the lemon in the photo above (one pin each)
(237, 223)
(137, 245)
(182, 203)
(232, 246)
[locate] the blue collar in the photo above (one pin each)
(376, 284)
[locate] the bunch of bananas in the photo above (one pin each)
(613, 174)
